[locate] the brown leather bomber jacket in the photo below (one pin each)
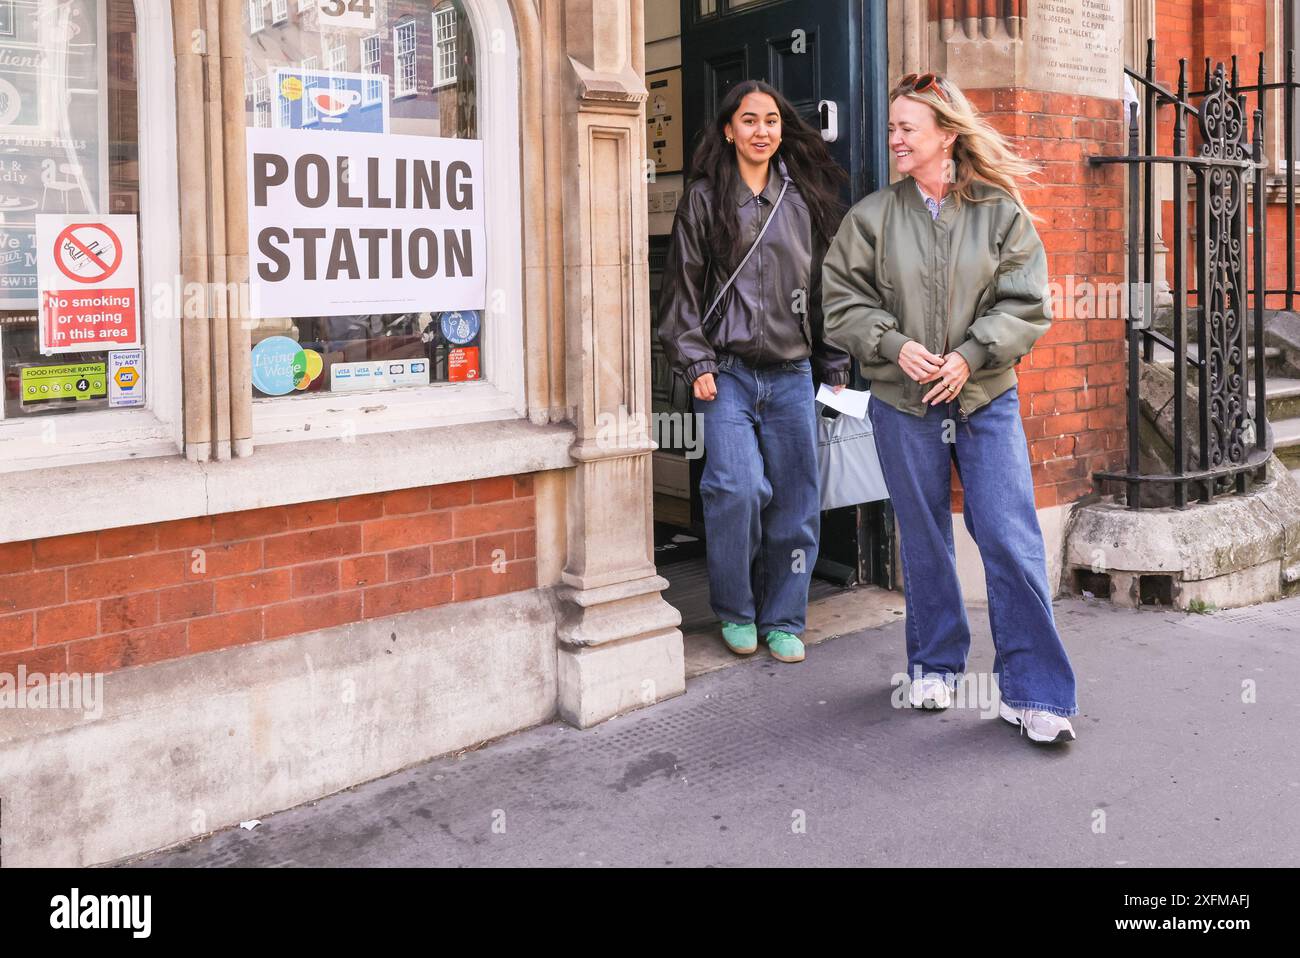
(772, 313)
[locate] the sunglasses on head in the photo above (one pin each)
(920, 82)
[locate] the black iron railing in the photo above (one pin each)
(1233, 438)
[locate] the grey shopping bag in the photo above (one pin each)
(847, 461)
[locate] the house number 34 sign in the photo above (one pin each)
(348, 14)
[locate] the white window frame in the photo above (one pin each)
(501, 394)
(309, 114)
(285, 118)
(441, 76)
(262, 101)
(156, 428)
(336, 55)
(399, 88)
(336, 61)
(373, 90)
(279, 11)
(256, 16)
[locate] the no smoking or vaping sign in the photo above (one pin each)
(88, 252)
(89, 283)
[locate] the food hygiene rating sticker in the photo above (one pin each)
(281, 366)
(42, 384)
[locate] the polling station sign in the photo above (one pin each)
(89, 275)
(344, 224)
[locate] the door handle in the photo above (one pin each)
(828, 114)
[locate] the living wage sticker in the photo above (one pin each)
(281, 365)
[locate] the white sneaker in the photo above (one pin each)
(1041, 726)
(930, 692)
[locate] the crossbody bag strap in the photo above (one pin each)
(758, 239)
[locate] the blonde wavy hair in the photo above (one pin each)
(980, 152)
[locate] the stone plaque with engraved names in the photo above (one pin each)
(1076, 46)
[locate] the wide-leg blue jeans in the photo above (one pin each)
(760, 492)
(992, 459)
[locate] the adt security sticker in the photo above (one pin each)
(125, 378)
(459, 327)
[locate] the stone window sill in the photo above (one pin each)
(109, 495)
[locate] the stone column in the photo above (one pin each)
(620, 647)
(231, 265)
(210, 109)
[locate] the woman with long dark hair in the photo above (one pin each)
(740, 319)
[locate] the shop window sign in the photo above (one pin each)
(325, 100)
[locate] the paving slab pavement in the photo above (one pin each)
(810, 764)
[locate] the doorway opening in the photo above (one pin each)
(829, 60)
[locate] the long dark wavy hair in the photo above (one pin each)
(808, 161)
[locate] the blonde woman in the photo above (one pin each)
(938, 285)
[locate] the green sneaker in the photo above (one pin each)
(740, 638)
(784, 646)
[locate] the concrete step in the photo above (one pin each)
(1283, 397)
(1286, 442)
(1283, 401)
(1272, 357)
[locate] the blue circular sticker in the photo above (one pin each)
(460, 327)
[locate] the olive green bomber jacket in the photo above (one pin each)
(975, 280)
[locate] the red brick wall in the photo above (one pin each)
(1196, 29)
(1275, 254)
(101, 601)
(1072, 383)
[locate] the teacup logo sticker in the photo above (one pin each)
(332, 104)
(281, 366)
(329, 100)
